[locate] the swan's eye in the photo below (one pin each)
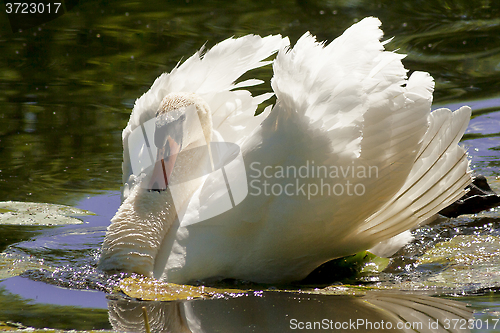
(156, 189)
(166, 128)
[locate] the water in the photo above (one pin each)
(66, 91)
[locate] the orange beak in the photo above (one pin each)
(164, 166)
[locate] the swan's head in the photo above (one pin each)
(183, 121)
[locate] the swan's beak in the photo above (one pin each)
(168, 141)
(165, 162)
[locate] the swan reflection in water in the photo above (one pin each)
(380, 311)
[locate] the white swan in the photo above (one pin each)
(345, 111)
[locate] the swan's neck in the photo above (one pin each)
(143, 220)
(136, 231)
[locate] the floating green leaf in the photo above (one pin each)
(465, 260)
(149, 289)
(14, 264)
(349, 269)
(16, 327)
(33, 213)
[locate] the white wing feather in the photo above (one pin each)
(439, 177)
(354, 98)
(354, 93)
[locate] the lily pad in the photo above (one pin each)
(16, 327)
(464, 260)
(43, 214)
(347, 269)
(148, 289)
(14, 264)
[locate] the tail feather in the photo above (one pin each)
(439, 176)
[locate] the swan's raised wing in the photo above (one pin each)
(350, 99)
(357, 95)
(347, 108)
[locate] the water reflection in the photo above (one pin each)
(380, 311)
(482, 138)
